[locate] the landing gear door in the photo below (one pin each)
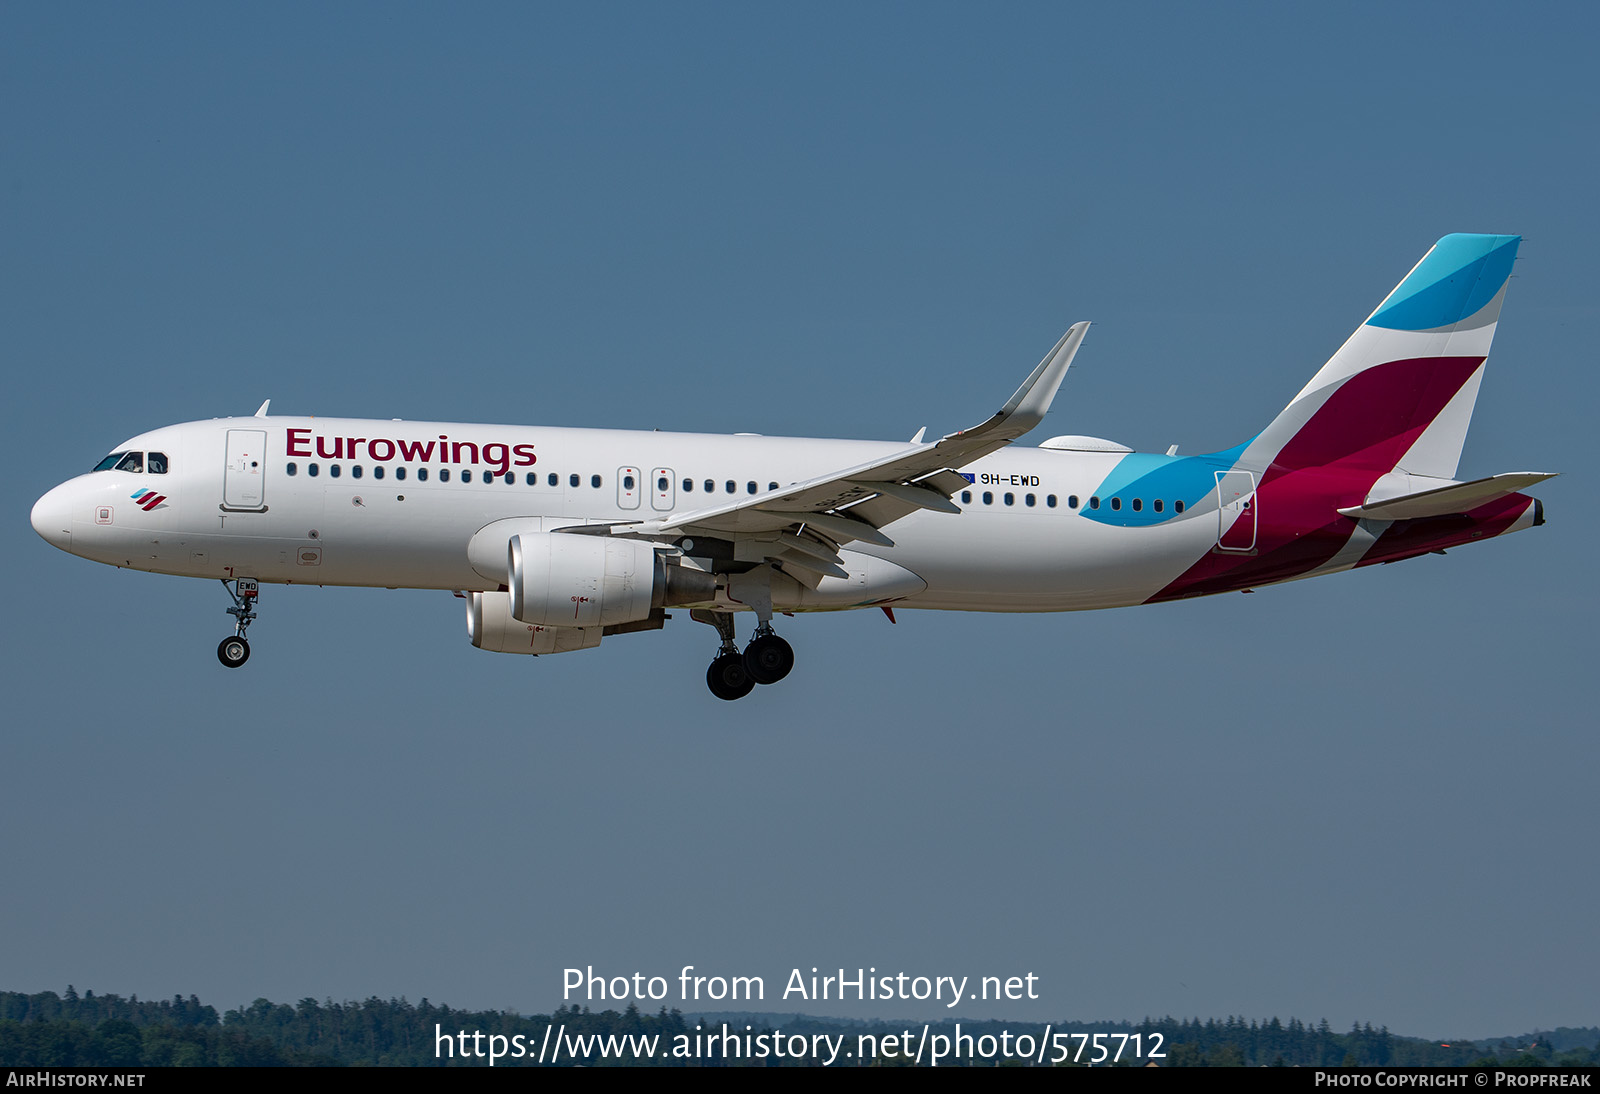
(1236, 511)
(245, 471)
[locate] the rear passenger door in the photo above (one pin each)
(1236, 511)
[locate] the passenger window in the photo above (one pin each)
(1010, 498)
(444, 474)
(627, 482)
(289, 469)
(711, 487)
(488, 477)
(1029, 500)
(133, 461)
(311, 469)
(732, 486)
(333, 470)
(1050, 500)
(594, 481)
(554, 479)
(511, 478)
(1072, 501)
(533, 480)
(1157, 504)
(156, 463)
(688, 486)
(749, 488)
(377, 471)
(988, 497)
(109, 462)
(1177, 507)
(1116, 503)
(1094, 503)
(573, 480)
(1138, 504)
(772, 486)
(966, 497)
(662, 483)
(355, 471)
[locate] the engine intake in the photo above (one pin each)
(562, 580)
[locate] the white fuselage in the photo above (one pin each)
(314, 510)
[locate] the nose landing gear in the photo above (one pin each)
(234, 650)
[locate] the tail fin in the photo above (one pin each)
(1399, 393)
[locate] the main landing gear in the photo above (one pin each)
(733, 675)
(768, 658)
(234, 651)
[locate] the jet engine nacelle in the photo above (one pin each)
(491, 627)
(558, 579)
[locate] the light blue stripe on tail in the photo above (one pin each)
(1457, 278)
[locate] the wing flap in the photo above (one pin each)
(793, 560)
(806, 545)
(913, 494)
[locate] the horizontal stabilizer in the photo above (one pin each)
(1459, 497)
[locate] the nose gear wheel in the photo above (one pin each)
(233, 651)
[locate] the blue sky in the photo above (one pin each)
(1368, 797)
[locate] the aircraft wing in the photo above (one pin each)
(804, 523)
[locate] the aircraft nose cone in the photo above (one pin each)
(52, 518)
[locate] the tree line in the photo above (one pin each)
(72, 1030)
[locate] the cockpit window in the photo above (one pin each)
(136, 462)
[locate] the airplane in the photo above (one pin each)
(559, 537)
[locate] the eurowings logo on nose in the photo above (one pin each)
(149, 500)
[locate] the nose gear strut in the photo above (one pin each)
(235, 650)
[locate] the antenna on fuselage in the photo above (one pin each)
(261, 411)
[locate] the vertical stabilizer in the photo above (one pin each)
(1398, 395)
